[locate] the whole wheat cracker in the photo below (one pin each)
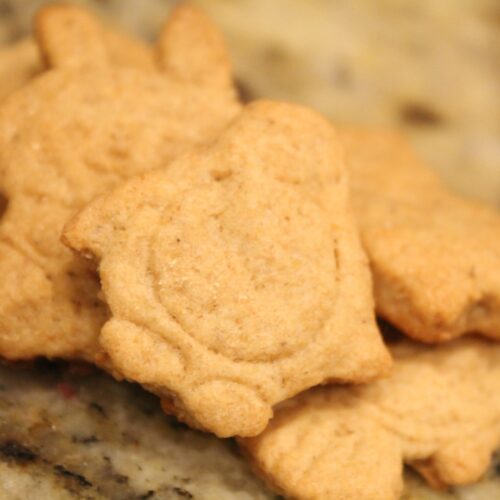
(74, 132)
(438, 412)
(235, 277)
(435, 257)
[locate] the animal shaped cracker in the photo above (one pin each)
(235, 277)
(435, 257)
(21, 61)
(438, 412)
(76, 131)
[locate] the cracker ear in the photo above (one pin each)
(192, 49)
(69, 37)
(294, 141)
(85, 233)
(92, 230)
(100, 224)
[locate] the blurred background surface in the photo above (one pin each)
(430, 68)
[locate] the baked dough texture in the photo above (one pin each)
(75, 131)
(439, 412)
(235, 277)
(435, 257)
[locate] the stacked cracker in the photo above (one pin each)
(232, 276)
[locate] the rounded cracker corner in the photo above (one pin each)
(311, 134)
(191, 48)
(287, 112)
(69, 36)
(77, 232)
(43, 20)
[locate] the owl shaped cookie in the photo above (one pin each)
(438, 412)
(72, 133)
(234, 277)
(435, 257)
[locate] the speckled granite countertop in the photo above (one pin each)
(430, 68)
(66, 435)
(72, 432)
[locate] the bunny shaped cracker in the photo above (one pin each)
(235, 277)
(439, 412)
(76, 131)
(435, 257)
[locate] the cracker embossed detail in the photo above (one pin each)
(246, 282)
(88, 122)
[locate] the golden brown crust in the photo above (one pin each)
(439, 412)
(67, 136)
(435, 257)
(246, 283)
